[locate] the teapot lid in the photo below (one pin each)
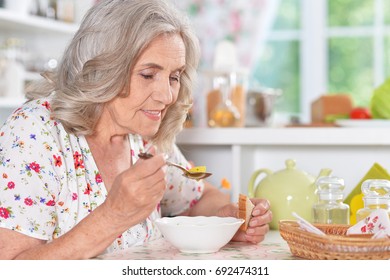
(293, 173)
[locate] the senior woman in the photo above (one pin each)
(72, 185)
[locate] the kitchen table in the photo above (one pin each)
(272, 248)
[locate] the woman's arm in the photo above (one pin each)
(79, 243)
(100, 228)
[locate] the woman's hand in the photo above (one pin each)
(136, 192)
(258, 224)
(213, 202)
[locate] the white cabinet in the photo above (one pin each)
(42, 36)
(235, 153)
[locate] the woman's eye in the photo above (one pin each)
(147, 77)
(175, 78)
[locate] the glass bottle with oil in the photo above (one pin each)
(330, 208)
(376, 195)
(226, 86)
(225, 114)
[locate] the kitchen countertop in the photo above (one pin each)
(272, 248)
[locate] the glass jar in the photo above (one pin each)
(225, 98)
(330, 208)
(376, 195)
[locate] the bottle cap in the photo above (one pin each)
(376, 188)
(376, 191)
(330, 187)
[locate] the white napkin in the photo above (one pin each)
(306, 226)
(377, 223)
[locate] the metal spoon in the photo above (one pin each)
(186, 173)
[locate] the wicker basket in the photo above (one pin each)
(335, 245)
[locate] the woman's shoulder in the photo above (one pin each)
(37, 106)
(37, 112)
(33, 109)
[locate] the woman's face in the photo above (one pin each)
(154, 86)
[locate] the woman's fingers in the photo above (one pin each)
(261, 219)
(136, 191)
(258, 224)
(257, 234)
(145, 168)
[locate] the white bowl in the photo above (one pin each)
(198, 234)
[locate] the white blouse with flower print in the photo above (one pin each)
(49, 181)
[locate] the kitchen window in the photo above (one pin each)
(333, 46)
(310, 48)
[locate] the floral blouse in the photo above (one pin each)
(49, 180)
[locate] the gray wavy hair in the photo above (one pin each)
(95, 66)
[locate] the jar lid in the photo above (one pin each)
(330, 187)
(376, 188)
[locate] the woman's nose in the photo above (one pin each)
(164, 93)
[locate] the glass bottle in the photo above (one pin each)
(226, 88)
(330, 208)
(376, 195)
(225, 114)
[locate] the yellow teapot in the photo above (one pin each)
(288, 190)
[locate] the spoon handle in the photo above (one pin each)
(147, 155)
(176, 165)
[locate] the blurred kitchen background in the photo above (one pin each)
(302, 48)
(33, 35)
(305, 48)
(266, 64)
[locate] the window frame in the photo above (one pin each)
(314, 36)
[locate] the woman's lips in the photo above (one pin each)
(154, 115)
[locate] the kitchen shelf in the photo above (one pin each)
(14, 22)
(44, 38)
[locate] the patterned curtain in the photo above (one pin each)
(245, 22)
